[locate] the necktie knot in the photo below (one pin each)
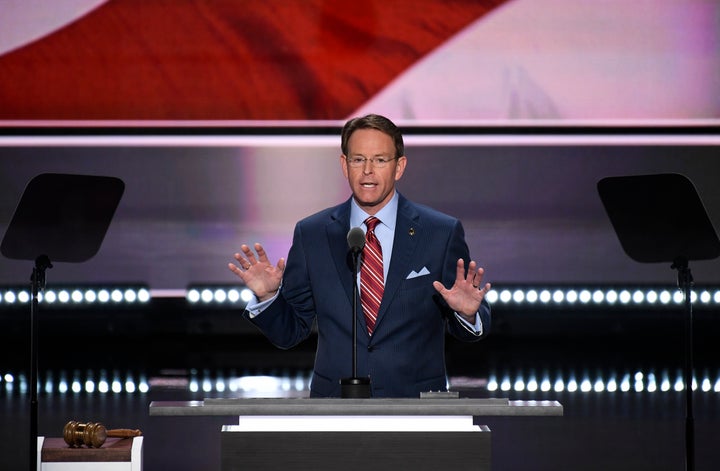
(371, 223)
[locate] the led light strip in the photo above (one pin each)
(210, 295)
(599, 296)
(77, 385)
(557, 297)
(78, 296)
(636, 382)
(542, 296)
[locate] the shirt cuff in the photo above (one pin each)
(476, 329)
(254, 307)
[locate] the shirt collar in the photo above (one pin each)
(387, 215)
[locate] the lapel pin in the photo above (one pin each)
(411, 231)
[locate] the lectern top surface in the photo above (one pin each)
(347, 407)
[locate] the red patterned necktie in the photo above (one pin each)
(371, 275)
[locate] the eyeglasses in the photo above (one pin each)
(377, 162)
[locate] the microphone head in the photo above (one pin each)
(356, 239)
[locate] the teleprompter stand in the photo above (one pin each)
(660, 218)
(61, 218)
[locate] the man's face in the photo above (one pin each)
(372, 187)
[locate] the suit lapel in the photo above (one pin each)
(337, 241)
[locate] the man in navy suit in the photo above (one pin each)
(423, 252)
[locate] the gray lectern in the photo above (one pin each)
(356, 434)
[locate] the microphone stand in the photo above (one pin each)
(355, 387)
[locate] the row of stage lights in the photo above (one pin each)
(78, 296)
(638, 382)
(89, 385)
(557, 297)
(270, 385)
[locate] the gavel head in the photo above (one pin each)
(90, 434)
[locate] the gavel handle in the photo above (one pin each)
(123, 433)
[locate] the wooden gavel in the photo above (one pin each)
(93, 434)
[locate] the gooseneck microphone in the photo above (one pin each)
(355, 387)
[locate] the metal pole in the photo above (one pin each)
(38, 284)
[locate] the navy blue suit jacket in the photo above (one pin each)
(406, 353)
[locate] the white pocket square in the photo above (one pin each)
(415, 274)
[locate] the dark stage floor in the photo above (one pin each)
(599, 430)
(617, 373)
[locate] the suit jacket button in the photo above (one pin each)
(370, 348)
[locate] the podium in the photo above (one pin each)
(352, 434)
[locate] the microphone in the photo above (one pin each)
(356, 239)
(355, 387)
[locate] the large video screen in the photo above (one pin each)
(442, 63)
(244, 101)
